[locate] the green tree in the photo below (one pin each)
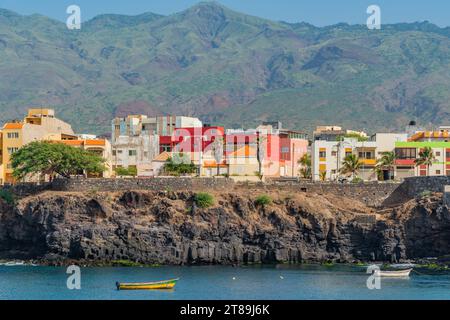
(427, 158)
(179, 164)
(387, 161)
(42, 157)
(305, 170)
(351, 165)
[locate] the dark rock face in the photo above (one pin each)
(167, 228)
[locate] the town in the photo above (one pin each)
(145, 147)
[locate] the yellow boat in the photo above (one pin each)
(158, 285)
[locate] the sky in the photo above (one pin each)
(317, 12)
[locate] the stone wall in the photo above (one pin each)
(371, 194)
(26, 189)
(418, 185)
(447, 196)
(154, 184)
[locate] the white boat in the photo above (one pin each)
(13, 263)
(394, 274)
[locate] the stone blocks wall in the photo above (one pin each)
(371, 194)
(447, 196)
(417, 185)
(153, 184)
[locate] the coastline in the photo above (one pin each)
(166, 228)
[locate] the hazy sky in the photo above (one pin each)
(317, 12)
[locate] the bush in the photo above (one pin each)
(357, 180)
(7, 196)
(426, 194)
(130, 171)
(263, 200)
(204, 200)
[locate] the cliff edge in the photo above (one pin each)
(169, 228)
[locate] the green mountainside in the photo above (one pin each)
(226, 68)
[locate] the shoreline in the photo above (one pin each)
(429, 264)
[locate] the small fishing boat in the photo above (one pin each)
(13, 263)
(158, 285)
(394, 274)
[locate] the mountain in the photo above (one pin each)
(226, 68)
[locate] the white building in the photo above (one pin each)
(327, 156)
(136, 151)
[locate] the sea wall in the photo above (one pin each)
(372, 194)
(415, 187)
(154, 184)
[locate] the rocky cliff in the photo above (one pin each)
(169, 228)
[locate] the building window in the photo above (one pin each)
(438, 153)
(405, 153)
(438, 172)
(13, 135)
(322, 154)
(166, 148)
(366, 155)
(285, 150)
(334, 153)
(12, 150)
(132, 152)
(114, 152)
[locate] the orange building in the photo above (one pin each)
(40, 124)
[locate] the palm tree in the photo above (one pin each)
(217, 149)
(351, 164)
(387, 161)
(323, 176)
(305, 162)
(260, 152)
(426, 157)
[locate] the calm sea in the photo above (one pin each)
(216, 282)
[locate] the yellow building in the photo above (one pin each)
(39, 124)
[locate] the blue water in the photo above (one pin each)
(216, 282)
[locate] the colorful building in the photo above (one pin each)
(39, 124)
(408, 152)
(329, 152)
(100, 147)
(138, 139)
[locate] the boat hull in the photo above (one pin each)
(394, 274)
(159, 285)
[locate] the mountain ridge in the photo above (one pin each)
(226, 68)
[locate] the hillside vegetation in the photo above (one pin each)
(226, 68)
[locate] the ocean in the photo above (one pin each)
(286, 282)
